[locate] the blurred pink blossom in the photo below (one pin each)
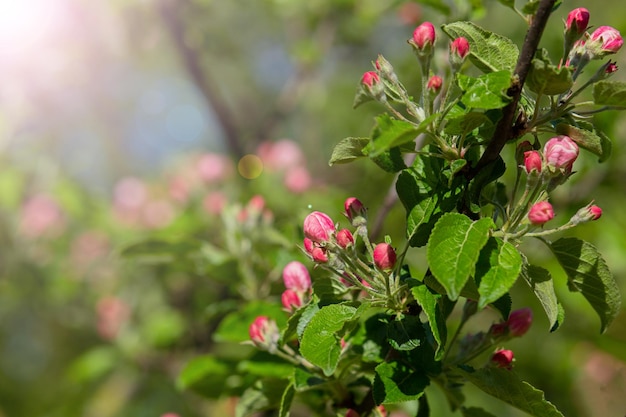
(40, 215)
(112, 312)
(297, 179)
(89, 247)
(158, 213)
(280, 155)
(212, 167)
(215, 202)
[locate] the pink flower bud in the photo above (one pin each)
(384, 256)
(503, 358)
(609, 38)
(459, 47)
(577, 21)
(308, 245)
(540, 213)
(370, 78)
(354, 208)
(611, 68)
(258, 329)
(296, 277)
(585, 214)
(561, 152)
(532, 161)
(595, 212)
(519, 321)
(434, 84)
(318, 227)
(319, 255)
(291, 300)
(498, 329)
(345, 238)
(424, 36)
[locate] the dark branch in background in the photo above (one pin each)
(170, 13)
(505, 130)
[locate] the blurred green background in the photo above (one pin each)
(127, 120)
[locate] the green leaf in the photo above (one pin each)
(488, 51)
(588, 138)
(506, 386)
(320, 342)
(487, 91)
(390, 132)
(205, 375)
(540, 280)
(347, 150)
(421, 221)
(610, 93)
(531, 7)
(405, 333)
(453, 249)
(265, 395)
(475, 412)
(304, 380)
(499, 265)
(464, 124)
(390, 160)
(545, 78)
(588, 273)
(286, 400)
(437, 322)
(396, 383)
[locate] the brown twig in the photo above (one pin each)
(170, 10)
(505, 130)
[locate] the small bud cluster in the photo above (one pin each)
(580, 47)
(348, 254)
(297, 286)
(382, 84)
(545, 170)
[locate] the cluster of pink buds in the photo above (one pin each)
(546, 170)
(366, 267)
(298, 285)
(581, 47)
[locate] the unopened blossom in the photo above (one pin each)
(345, 238)
(577, 21)
(291, 300)
(595, 212)
(459, 48)
(384, 256)
(424, 36)
(503, 358)
(605, 40)
(587, 213)
(541, 213)
(319, 255)
(560, 152)
(532, 161)
(263, 332)
(296, 277)
(318, 227)
(353, 208)
(370, 78)
(611, 68)
(520, 321)
(434, 84)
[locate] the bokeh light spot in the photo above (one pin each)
(250, 166)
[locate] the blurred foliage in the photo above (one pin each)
(110, 284)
